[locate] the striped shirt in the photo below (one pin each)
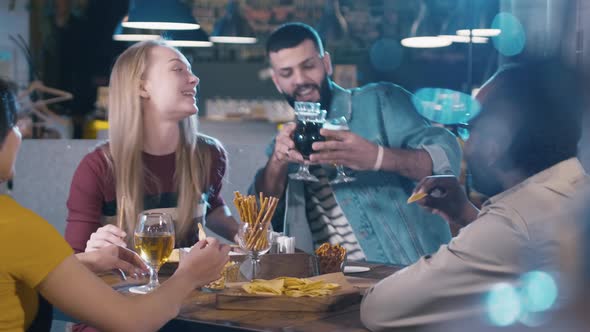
(326, 219)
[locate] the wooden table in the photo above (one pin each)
(198, 312)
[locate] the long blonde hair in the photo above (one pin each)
(124, 152)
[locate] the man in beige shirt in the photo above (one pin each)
(522, 154)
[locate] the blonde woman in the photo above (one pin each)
(37, 261)
(154, 158)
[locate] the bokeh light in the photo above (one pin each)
(463, 133)
(534, 319)
(513, 37)
(445, 106)
(503, 305)
(539, 291)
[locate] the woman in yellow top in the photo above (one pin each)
(36, 260)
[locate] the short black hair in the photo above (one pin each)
(7, 109)
(545, 101)
(292, 34)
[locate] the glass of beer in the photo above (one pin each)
(154, 241)
(339, 124)
(310, 120)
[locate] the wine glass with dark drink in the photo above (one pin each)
(310, 120)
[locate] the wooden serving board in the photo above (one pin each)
(235, 298)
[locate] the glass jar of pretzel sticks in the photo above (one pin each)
(254, 235)
(255, 240)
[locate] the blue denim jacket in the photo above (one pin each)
(388, 229)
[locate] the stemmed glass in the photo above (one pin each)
(339, 124)
(256, 241)
(309, 122)
(154, 241)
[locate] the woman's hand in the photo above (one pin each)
(205, 261)
(106, 236)
(114, 257)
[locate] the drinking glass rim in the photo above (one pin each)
(155, 213)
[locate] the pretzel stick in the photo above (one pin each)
(264, 203)
(257, 213)
(121, 212)
(253, 207)
(270, 212)
(260, 231)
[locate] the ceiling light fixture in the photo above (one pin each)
(160, 14)
(187, 38)
(465, 39)
(133, 35)
(479, 32)
(426, 42)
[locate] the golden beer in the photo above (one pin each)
(154, 248)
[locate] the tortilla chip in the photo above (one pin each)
(202, 234)
(416, 197)
(174, 256)
(264, 287)
(293, 287)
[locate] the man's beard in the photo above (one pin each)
(324, 89)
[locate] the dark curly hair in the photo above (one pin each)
(545, 100)
(292, 34)
(8, 108)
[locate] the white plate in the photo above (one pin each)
(355, 269)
